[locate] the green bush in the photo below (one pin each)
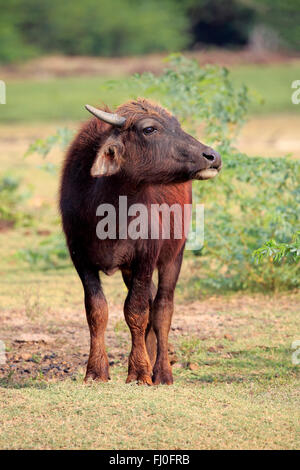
(278, 252)
(50, 253)
(253, 200)
(11, 198)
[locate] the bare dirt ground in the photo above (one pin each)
(271, 136)
(60, 66)
(55, 346)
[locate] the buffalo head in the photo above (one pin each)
(147, 144)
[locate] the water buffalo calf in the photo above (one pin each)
(142, 153)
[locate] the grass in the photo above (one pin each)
(242, 393)
(273, 84)
(116, 416)
(235, 384)
(62, 99)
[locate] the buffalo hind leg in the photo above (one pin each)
(162, 316)
(136, 310)
(151, 344)
(97, 315)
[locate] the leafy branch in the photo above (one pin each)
(279, 251)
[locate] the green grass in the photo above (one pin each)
(243, 395)
(62, 99)
(51, 100)
(241, 392)
(237, 390)
(115, 416)
(272, 83)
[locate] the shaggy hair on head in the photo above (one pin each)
(136, 109)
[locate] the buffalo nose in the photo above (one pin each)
(213, 157)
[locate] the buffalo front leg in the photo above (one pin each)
(149, 335)
(97, 315)
(163, 311)
(136, 310)
(162, 316)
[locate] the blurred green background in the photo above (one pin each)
(30, 28)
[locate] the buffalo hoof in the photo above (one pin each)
(163, 377)
(96, 376)
(140, 379)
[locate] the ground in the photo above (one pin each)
(236, 386)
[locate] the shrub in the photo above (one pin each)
(50, 253)
(11, 198)
(278, 252)
(253, 200)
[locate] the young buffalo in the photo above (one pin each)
(141, 153)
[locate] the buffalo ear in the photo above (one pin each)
(108, 160)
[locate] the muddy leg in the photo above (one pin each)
(162, 316)
(136, 310)
(149, 335)
(97, 315)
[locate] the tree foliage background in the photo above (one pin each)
(123, 27)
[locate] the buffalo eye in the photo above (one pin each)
(149, 130)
